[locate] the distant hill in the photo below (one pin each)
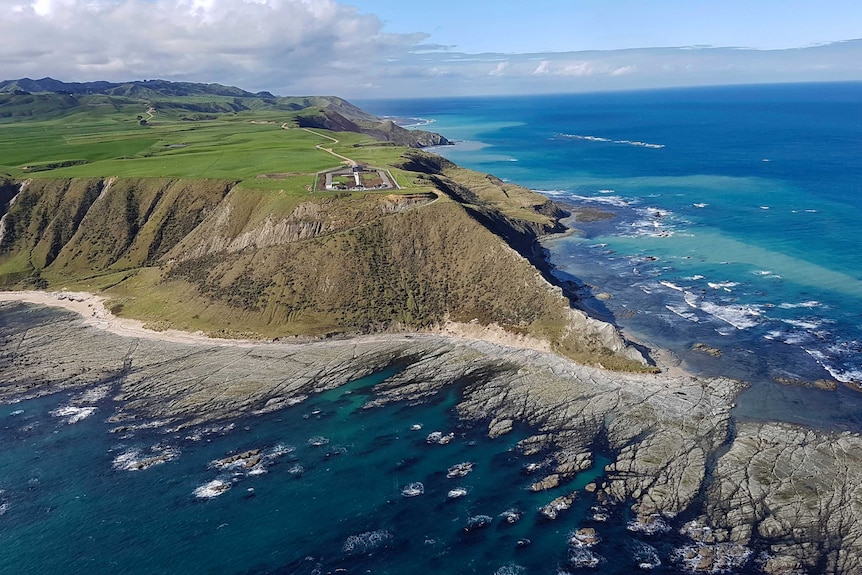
(25, 99)
(135, 89)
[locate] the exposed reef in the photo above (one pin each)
(783, 494)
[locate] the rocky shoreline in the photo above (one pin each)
(785, 495)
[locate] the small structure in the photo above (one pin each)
(357, 178)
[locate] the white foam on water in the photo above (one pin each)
(210, 430)
(581, 557)
(586, 138)
(853, 376)
(645, 556)
(616, 201)
(74, 414)
(655, 524)
(279, 450)
(478, 522)
(211, 489)
(683, 312)
(459, 470)
(126, 460)
(725, 285)
(134, 460)
(437, 437)
(365, 542)
(511, 515)
(317, 441)
(671, 285)
(511, 569)
(556, 193)
(790, 338)
(456, 493)
(724, 557)
(95, 394)
(579, 539)
(738, 315)
(805, 304)
(600, 139)
(809, 323)
(413, 489)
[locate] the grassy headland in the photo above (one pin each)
(197, 212)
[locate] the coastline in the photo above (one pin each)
(91, 308)
(672, 442)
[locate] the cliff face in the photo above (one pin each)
(384, 131)
(209, 255)
(82, 227)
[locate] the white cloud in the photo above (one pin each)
(622, 70)
(264, 43)
(499, 69)
(543, 67)
(577, 69)
(329, 47)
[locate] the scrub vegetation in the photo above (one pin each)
(193, 215)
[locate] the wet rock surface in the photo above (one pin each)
(770, 497)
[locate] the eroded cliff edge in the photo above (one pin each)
(218, 257)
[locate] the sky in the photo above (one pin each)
(400, 48)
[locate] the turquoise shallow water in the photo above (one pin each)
(736, 224)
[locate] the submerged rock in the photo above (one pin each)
(562, 503)
(584, 537)
(245, 460)
(456, 493)
(477, 522)
(459, 470)
(413, 489)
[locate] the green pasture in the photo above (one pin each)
(106, 141)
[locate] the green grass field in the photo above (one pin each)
(245, 146)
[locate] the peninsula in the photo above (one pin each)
(207, 210)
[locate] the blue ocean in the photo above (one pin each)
(736, 222)
(735, 219)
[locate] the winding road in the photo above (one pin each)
(352, 163)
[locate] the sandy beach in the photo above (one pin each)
(91, 308)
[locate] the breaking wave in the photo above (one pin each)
(610, 141)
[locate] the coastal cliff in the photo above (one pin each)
(214, 256)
